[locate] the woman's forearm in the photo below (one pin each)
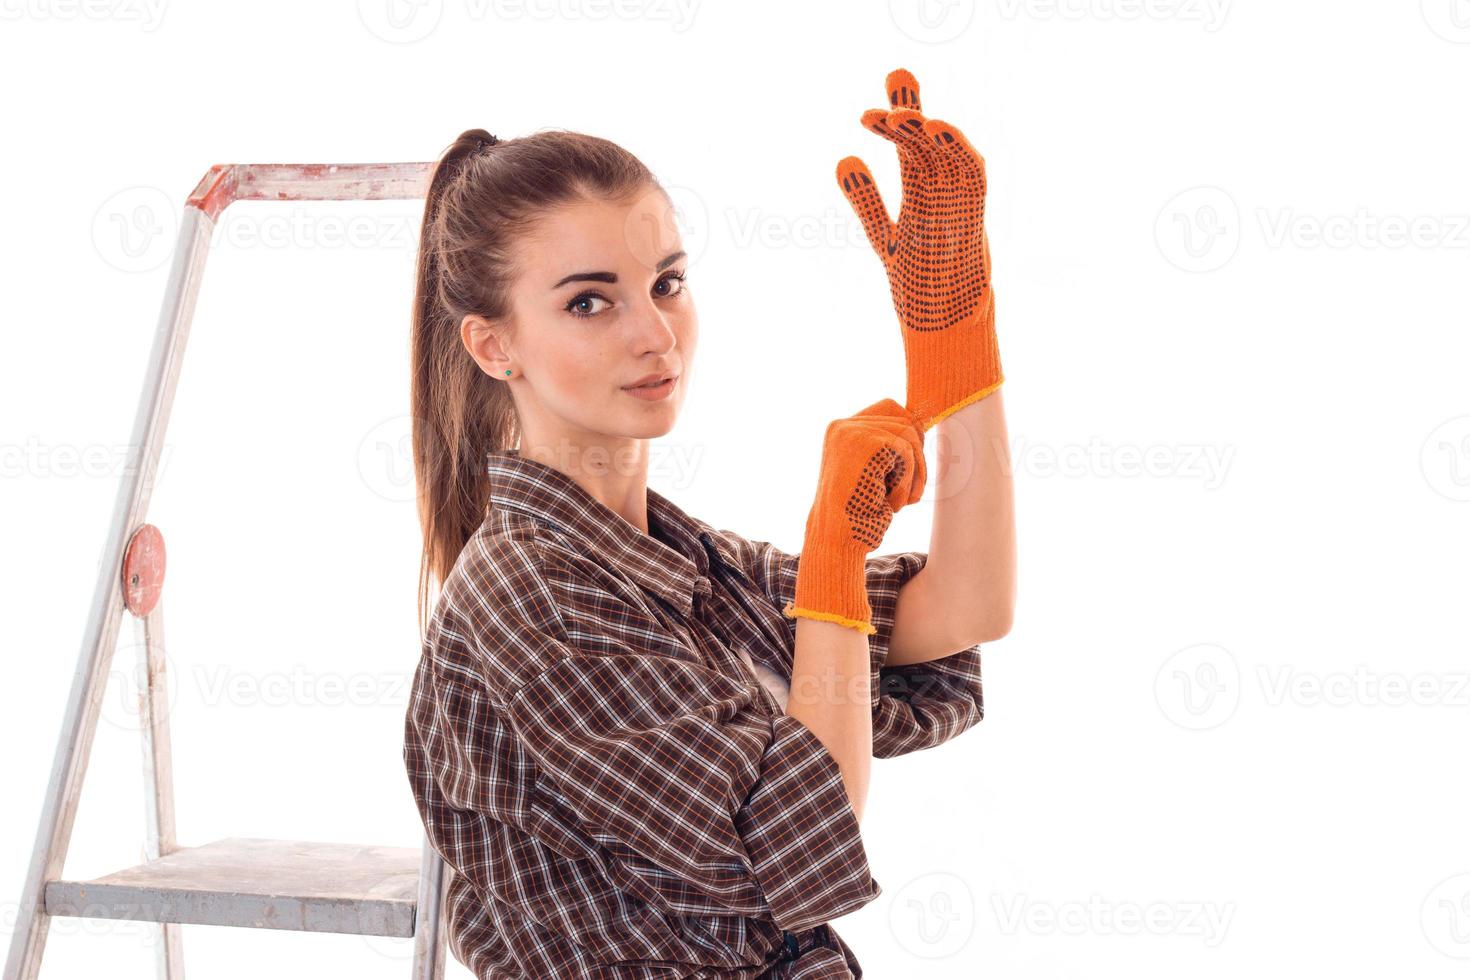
(830, 695)
(966, 592)
(972, 543)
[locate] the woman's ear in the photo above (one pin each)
(488, 342)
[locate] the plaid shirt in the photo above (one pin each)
(597, 745)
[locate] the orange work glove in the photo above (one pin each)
(872, 465)
(937, 254)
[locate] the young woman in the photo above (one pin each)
(642, 743)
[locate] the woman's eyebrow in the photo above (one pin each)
(664, 263)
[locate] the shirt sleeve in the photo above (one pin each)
(915, 706)
(697, 799)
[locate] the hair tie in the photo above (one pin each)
(482, 142)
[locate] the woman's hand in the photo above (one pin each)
(872, 465)
(936, 254)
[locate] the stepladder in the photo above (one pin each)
(261, 883)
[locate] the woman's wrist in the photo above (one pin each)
(831, 584)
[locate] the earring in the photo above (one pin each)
(507, 372)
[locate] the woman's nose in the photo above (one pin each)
(654, 332)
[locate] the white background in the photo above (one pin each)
(1231, 246)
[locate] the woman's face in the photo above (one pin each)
(598, 305)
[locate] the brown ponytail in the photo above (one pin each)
(484, 194)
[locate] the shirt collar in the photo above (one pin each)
(677, 573)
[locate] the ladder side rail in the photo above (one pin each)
(59, 806)
(160, 820)
(428, 926)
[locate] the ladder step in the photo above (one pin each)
(258, 883)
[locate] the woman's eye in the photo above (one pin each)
(579, 306)
(675, 283)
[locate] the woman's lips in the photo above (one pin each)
(651, 393)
